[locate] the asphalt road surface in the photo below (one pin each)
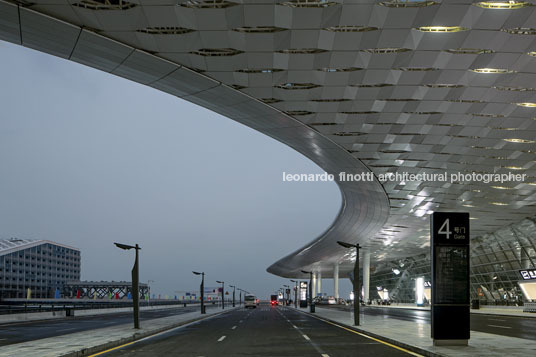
(264, 331)
(512, 326)
(17, 332)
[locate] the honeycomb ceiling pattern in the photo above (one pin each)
(416, 86)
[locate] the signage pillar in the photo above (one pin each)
(450, 278)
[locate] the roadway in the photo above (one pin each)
(511, 326)
(17, 332)
(265, 331)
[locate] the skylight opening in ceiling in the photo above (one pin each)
(441, 29)
(469, 51)
(302, 50)
(520, 141)
(215, 52)
(351, 28)
(347, 69)
(520, 31)
(165, 30)
(503, 5)
(259, 29)
(407, 3)
(386, 50)
(298, 112)
(491, 70)
(210, 4)
(444, 85)
(259, 70)
(331, 100)
(349, 133)
(515, 89)
(270, 100)
(105, 4)
(308, 3)
(296, 86)
(378, 85)
(416, 69)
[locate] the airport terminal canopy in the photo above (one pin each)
(359, 86)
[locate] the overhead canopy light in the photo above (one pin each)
(513, 167)
(522, 141)
(491, 70)
(442, 29)
(527, 105)
(507, 5)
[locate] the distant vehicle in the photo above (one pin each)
(273, 300)
(327, 300)
(250, 301)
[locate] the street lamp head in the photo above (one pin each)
(346, 245)
(220, 282)
(306, 272)
(197, 273)
(125, 246)
(294, 281)
(232, 286)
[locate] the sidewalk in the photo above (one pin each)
(92, 341)
(415, 336)
(487, 310)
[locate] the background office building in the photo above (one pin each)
(39, 265)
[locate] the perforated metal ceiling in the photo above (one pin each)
(418, 87)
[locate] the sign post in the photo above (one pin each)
(450, 278)
(303, 294)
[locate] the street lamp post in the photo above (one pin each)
(310, 298)
(222, 293)
(234, 288)
(357, 295)
(135, 283)
(295, 294)
(202, 289)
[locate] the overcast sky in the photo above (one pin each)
(87, 158)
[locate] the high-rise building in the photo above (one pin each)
(39, 265)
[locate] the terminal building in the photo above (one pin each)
(41, 266)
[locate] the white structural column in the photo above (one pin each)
(336, 281)
(319, 283)
(313, 285)
(366, 275)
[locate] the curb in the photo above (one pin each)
(137, 336)
(409, 347)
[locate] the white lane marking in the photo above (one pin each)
(296, 327)
(499, 326)
(496, 320)
(232, 328)
(306, 337)
(221, 338)
(325, 355)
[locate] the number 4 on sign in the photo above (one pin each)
(445, 229)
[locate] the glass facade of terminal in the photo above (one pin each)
(496, 260)
(42, 268)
